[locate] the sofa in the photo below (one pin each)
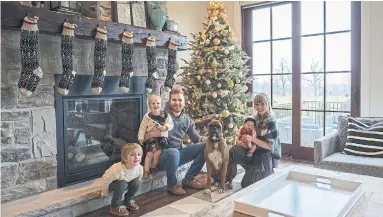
(328, 152)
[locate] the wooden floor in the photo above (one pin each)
(158, 198)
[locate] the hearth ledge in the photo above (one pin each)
(77, 199)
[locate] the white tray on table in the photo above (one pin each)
(296, 194)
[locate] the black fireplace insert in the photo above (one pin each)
(90, 129)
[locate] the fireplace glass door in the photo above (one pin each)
(95, 130)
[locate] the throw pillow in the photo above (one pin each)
(364, 139)
(342, 131)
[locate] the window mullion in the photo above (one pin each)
(296, 73)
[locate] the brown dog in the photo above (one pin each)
(216, 155)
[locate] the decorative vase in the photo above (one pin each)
(157, 18)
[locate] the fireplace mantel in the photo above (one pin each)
(51, 23)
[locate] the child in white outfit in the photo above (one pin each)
(155, 118)
(124, 176)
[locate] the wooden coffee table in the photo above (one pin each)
(370, 204)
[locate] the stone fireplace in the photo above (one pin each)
(31, 160)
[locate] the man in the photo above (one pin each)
(175, 156)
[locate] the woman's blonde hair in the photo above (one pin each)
(128, 149)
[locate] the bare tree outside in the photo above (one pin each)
(285, 78)
(316, 79)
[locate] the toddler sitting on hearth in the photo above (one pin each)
(155, 119)
(124, 176)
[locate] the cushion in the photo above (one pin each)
(353, 164)
(342, 131)
(364, 139)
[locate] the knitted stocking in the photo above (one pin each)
(152, 66)
(67, 39)
(127, 65)
(172, 56)
(99, 60)
(31, 72)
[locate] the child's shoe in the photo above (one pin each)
(119, 211)
(132, 205)
(147, 175)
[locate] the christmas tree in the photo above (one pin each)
(217, 76)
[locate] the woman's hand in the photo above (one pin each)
(141, 141)
(247, 138)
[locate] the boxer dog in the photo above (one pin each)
(216, 155)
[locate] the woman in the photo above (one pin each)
(266, 138)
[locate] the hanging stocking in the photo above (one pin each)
(127, 65)
(31, 72)
(171, 75)
(67, 41)
(99, 60)
(152, 66)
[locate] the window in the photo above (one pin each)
(306, 57)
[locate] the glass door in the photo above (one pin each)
(306, 57)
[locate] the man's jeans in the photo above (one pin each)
(172, 158)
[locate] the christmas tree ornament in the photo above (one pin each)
(214, 63)
(231, 125)
(172, 70)
(152, 65)
(230, 83)
(219, 85)
(198, 77)
(207, 41)
(214, 95)
(67, 42)
(225, 113)
(31, 72)
(207, 82)
(127, 61)
(100, 47)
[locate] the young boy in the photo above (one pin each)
(124, 176)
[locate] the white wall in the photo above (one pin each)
(189, 16)
(372, 59)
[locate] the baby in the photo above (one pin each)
(247, 129)
(155, 118)
(124, 176)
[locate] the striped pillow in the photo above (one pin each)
(363, 139)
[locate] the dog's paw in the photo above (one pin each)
(221, 190)
(216, 184)
(230, 185)
(207, 191)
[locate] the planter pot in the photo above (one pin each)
(157, 18)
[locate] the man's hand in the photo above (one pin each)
(162, 128)
(154, 133)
